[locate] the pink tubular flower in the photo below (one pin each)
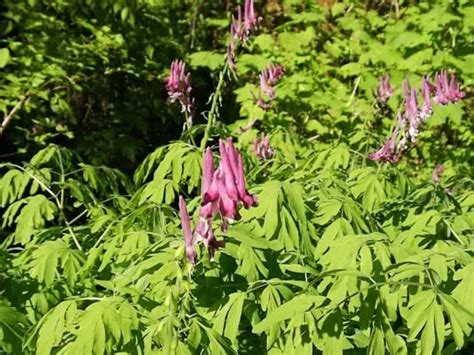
(262, 148)
(178, 85)
(223, 191)
(260, 101)
(447, 91)
(231, 56)
(268, 78)
(240, 29)
(455, 93)
(250, 22)
(237, 27)
(390, 151)
(385, 91)
(189, 239)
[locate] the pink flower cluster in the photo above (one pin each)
(447, 93)
(178, 85)
(390, 153)
(269, 77)
(240, 29)
(262, 148)
(223, 192)
(409, 122)
(385, 91)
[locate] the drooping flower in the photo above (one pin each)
(260, 101)
(436, 174)
(223, 191)
(447, 91)
(455, 93)
(385, 91)
(390, 152)
(426, 109)
(227, 186)
(411, 110)
(262, 148)
(250, 20)
(241, 29)
(231, 55)
(189, 239)
(269, 77)
(247, 126)
(178, 85)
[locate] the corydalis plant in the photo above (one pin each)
(178, 85)
(384, 91)
(409, 122)
(269, 77)
(262, 148)
(240, 30)
(223, 193)
(447, 91)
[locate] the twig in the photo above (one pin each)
(8, 117)
(58, 203)
(356, 86)
(213, 112)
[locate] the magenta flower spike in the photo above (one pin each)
(455, 93)
(239, 26)
(442, 88)
(231, 56)
(268, 78)
(223, 191)
(250, 22)
(178, 85)
(189, 239)
(204, 230)
(262, 148)
(385, 91)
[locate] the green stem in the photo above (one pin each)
(213, 112)
(188, 126)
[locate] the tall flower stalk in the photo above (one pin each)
(240, 29)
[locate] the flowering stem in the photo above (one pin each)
(188, 126)
(211, 117)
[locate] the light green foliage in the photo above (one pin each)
(342, 255)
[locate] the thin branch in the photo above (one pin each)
(9, 116)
